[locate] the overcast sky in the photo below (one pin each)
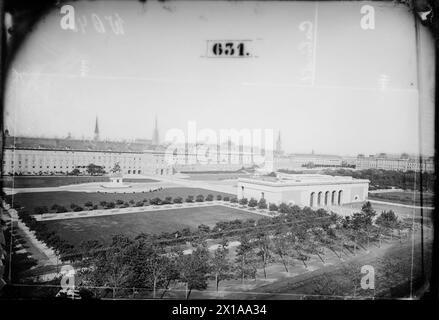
(361, 97)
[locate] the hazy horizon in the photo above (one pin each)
(361, 98)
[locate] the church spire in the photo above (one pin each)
(279, 145)
(155, 134)
(96, 136)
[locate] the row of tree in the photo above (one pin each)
(293, 237)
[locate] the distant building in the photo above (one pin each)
(48, 156)
(312, 190)
(397, 163)
(299, 161)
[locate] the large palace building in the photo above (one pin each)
(47, 156)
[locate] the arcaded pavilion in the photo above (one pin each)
(312, 190)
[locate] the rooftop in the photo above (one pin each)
(284, 179)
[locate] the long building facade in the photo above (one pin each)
(312, 190)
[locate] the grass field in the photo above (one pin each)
(402, 211)
(131, 224)
(65, 198)
(404, 197)
(56, 181)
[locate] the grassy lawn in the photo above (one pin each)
(65, 198)
(404, 197)
(48, 181)
(402, 211)
(56, 181)
(131, 224)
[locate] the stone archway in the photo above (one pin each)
(326, 198)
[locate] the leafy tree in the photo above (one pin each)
(194, 269)
(245, 259)
(284, 208)
(387, 219)
(168, 200)
(272, 207)
(220, 265)
(88, 204)
(75, 172)
(110, 205)
(61, 209)
(281, 247)
(94, 170)
(178, 200)
(262, 204)
(264, 250)
(41, 210)
(155, 201)
(202, 228)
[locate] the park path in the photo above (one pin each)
(165, 207)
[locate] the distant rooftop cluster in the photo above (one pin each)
(74, 144)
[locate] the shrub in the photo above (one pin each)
(234, 200)
(272, 207)
(119, 202)
(219, 197)
(61, 209)
(88, 204)
(226, 198)
(262, 204)
(54, 207)
(243, 201)
(202, 228)
(95, 207)
(139, 204)
(284, 208)
(190, 199)
(200, 198)
(252, 203)
(178, 200)
(41, 210)
(209, 197)
(77, 209)
(131, 201)
(103, 203)
(110, 205)
(168, 200)
(155, 201)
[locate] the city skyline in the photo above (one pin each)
(360, 82)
